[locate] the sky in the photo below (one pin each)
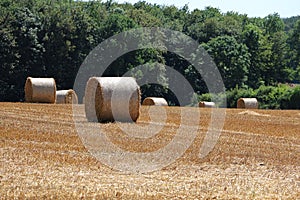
(253, 8)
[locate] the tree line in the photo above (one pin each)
(51, 38)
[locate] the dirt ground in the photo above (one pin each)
(257, 156)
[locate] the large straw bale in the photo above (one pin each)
(66, 97)
(40, 90)
(206, 104)
(155, 101)
(112, 99)
(248, 103)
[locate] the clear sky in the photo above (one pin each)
(253, 8)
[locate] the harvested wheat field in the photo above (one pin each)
(42, 157)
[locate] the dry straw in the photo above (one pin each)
(248, 103)
(155, 101)
(40, 90)
(206, 104)
(66, 97)
(112, 99)
(83, 99)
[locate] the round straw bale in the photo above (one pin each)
(110, 99)
(248, 103)
(206, 104)
(155, 101)
(66, 97)
(40, 90)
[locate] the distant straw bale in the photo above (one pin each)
(155, 101)
(66, 97)
(206, 104)
(40, 90)
(248, 103)
(112, 99)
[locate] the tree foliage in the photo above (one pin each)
(52, 38)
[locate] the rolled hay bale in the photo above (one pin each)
(109, 99)
(66, 97)
(206, 104)
(40, 90)
(248, 103)
(155, 101)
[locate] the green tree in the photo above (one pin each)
(174, 18)
(28, 50)
(294, 43)
(144, 19)
(233, 24)
(273, 23)
(232, 59)
(52, 38)
(252, 36)
(117, 23)
(279, 71)
(203, 25)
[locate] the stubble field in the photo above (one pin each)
(41, 156)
